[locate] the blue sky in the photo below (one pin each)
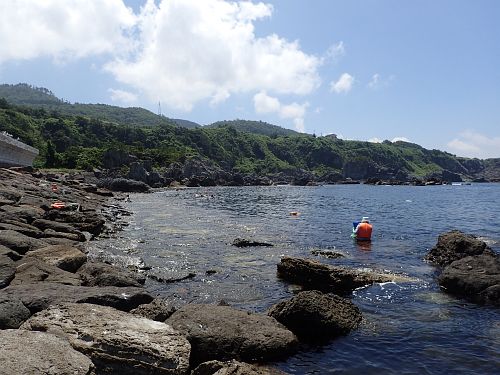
(423, 71)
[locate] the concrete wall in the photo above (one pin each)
(15, 153)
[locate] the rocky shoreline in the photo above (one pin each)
(80, 316)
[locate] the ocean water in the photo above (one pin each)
(408, 328)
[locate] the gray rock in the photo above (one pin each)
(117, 342)
(12, 313)
(70, 236)
(65, 257)
(30, 232)
(475, 278)
(340, 280)
(83, 221)
(31, 271)
(19, 242)
(7, 271)
(26, 212)
(316, 316)
(455, 245)
(58, 227)
(241, 242)
(32, 353)
(5, 251)
(102, 274)
(234, 368)
(159, 310)
(221, 332)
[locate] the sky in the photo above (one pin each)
(425, 71)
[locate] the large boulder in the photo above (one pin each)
(23, 212)
(223, 333)
(30, 232)
(340, 280)
(7, 271)
(29, 352)
(39, 296)
(65, 257)
(58, 227)
(83, 221)
(117, 342)
(476, 278)
(234, 368)
(32, 271)
(125, 185)
(313, 315)
(455, 245)
(159, 310)
(12, 312)
(103, 274)
(19, 242)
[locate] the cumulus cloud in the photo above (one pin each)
(63, 29)
(378, 82)
(122, 96)
(476, 145)
(402, 139)
(194, 50)
(343, 85)
(264, 103)
(335, 51)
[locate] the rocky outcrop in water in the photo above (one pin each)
(233, 368)
(315, 316)
(241, 242)
(222, 333)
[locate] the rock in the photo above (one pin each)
(60, 241)
(128, 186)
(221, 332)
(240, 242)
(26, 212)
(455, 245)
(117, 342)
(33, 270)
(327, 254)
(159, 310)
(102, 274)
(19, 242)
(314, 275)
(475, 278)
(39, 296)
(70, 236)
(30, 232)
(316, 316)
(7, 271)
(5, 251)
(233, 368)
(27, 352)
(67, 258)
(82, 221)
(12, 313)
(58, 227)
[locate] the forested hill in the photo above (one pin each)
(81, 142)
(255, 127)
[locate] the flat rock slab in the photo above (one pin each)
(12, 313)
(19, 242)
(38, 297)
(103, 274)
(234, 368)
(340, 280)
(31, 353)
(65, 257)
(222, 333)
(117, 342)
(24, 211)
(476, 278)
(456, 245)
(31, 271)
(317, 316)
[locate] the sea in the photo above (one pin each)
(408, 327)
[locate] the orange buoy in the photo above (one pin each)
(58, 205)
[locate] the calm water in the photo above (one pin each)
(408, 328)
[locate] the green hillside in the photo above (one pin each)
(255, 127)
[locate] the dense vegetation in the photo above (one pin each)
(255, 127)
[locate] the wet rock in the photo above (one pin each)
(12, 313)
(233, 368)
(19, 242)
(159, 310)
(7, 271)
(67, 258)
(315, 316)
(39, 296)
(475, 278)
(327, 254)
(172, 277)
(118, 343)
(455, 245)
(102, 274)
(221, 332)
(27, 352)
(31, 271)
(240, 242)
(314, 275)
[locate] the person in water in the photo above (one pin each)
(364, 229)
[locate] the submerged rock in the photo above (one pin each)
(476, 278)
(222, 333)
(241, 242)
(455, 245)
(27, 352)
(315, 316)
(117, 342)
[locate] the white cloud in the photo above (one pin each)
(378, 82)
(476, 145)
(264, 103)
(335, 51)
(375, 140)
(344, 84)
(63, 29)
(402, 139)
(375, 81)
(122, 96)
(193, 50)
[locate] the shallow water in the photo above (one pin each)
(408, 328)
